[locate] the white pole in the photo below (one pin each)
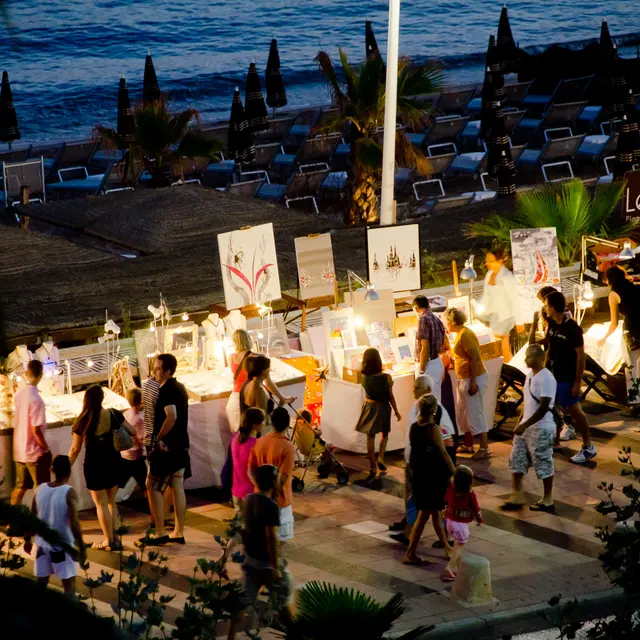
(387, 215)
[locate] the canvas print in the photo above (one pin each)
(393, 255)
(463, 303)
(401, 350)
(535, 264)
(316, 273)
(249, 266)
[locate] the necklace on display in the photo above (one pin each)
(23, 353)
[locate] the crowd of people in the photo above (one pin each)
(445, 420)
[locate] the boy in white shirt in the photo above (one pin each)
(533, 438)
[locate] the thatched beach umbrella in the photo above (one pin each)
(507, 51)
(150, 86)
(8, 119)
(239, 143)
(276, 94)
(126, 125)
(255, 108)
(371, 46)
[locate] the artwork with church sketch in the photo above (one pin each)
(249, 266)
(316, 273)
(393, 255)
(535, 265)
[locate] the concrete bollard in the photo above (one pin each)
(472, 586)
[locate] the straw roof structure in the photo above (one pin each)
(69, 267)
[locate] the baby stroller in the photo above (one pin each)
(312, 448)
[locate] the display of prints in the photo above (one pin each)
(393, 255)
(462, 303)
(249, 266)
(316, 273)
(535, 265)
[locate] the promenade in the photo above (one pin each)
(341, 537)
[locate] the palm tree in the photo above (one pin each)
(327, 612)
(361, 115)
(568, 207)
(161, 140)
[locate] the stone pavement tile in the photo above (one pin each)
(222, 513)
(520, 568)
(572, 529)
(204, 508)
(353, 544)
(334, 534)
(435, 603)
(491, 490)
(504, 590)
(496, 553)
(367, 527)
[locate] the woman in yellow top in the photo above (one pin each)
(472, 384)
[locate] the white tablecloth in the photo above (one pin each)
(341, 405)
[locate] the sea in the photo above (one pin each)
(65, 57)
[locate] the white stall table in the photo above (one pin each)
(209, 432)
(341, 405)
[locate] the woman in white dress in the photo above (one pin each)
(499, 305)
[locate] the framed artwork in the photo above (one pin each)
(182, 341)
(334, 324)
(353, 358)
(249, 266)
(316, 273)
(271, 334)
(401, 350)
(535, 265)
(393, 257)
(463, 303)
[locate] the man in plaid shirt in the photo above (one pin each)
(430, 343)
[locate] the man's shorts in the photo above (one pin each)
(563, 395)
(30, 474)
(286, 524)
(534, 448)
(56, 563)
(163, 465)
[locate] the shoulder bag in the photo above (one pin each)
(122, 439)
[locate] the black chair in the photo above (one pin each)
(512, 379)
(595, 379)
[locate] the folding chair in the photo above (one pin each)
(441, 136)
(18, 175)
(595, 378)
(557, 115)
(513, 96)
(71, 186)
(471, 133)
(555, 153)
(300, 130)
(511, 378)
(454, 101)
(567, 90)
(301, 186)
(72, 155)
(278, 127)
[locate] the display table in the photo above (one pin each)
(342, 402)
(209, 431)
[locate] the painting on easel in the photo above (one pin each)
(249, 266)
(316, 273)
(393, 255)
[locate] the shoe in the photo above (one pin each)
(382, 466)
(567, 433)
(176, 540)
(481, 454)
(401, 538)
(438, 545)
(398, 526)
(584, 455)
(464, 449)
(155, 542)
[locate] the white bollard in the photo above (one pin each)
(472, 586)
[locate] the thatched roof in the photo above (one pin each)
(49, 281)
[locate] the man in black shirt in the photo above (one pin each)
(170, 457)
(566, 360)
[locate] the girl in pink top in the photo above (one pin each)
(241, 446)
(462, 508)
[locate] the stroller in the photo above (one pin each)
(312, 448)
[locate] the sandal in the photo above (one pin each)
(481, 454)
(102, 546)
(448, 576)
(546, 508)
(464, 449)
(511, 506)
(415, 562)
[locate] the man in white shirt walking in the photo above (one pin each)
(31, 452)
(533, 438)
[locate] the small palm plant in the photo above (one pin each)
(327, 612)
(360, 105)
(568, 207)
(162, 139)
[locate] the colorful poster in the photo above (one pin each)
(393, 255)
(535, 265)
(249, 266)
(316, 273)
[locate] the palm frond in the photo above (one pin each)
(350, 75)
(370, 84)
(368, 152)
(110, 137)
(179, 122)
(408, 156)
(195, 145)
(604, 204)
(326, 67)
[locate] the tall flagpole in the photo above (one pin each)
(387, 211)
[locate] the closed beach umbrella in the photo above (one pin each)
(239, 142)
(506, 175)
(507, 50)
(606, 42)
(624, 150)
(371, 46)
(492, 90)
(615, 82)
(255, 108)
(634, 126)
(126, 125)
(150, 86)
(8, 120)
(276, 94)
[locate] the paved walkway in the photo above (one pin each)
(342, 538)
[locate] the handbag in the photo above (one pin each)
(122, 439)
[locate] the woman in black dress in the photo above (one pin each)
(94, 428)
(431, 470)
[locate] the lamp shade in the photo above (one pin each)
(627, 252)
(372, 295)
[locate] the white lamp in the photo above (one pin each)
(370, 296)
(469, 273)
(627, 252)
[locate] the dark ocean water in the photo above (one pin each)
(65, 57)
